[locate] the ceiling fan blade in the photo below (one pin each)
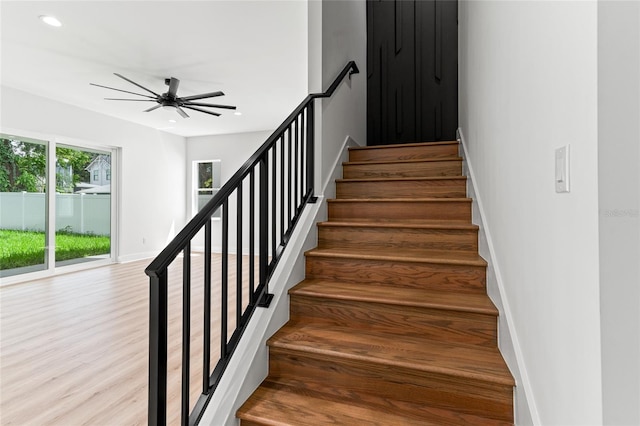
(182, 112)
(152, 108)
(200, 110)
(136, 84)
(173, 87)
(125, 91)
(204, 95)
(209, 105)
(134, 100)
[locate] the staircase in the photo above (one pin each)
(392, 325)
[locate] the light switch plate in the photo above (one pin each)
(562, 169)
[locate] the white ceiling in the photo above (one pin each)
(253, 51)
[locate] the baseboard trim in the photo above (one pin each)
(137, 256)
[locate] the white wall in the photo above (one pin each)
(619, 195)
(528, 85)
(337, 35)
(152, 169)
(233, 150)
(344, 39)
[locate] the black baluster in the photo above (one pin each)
(206, 344)
(289, 192)
(239, 256)
(303, 132)
(273, 207)
(264, 224)
(281, 189)
(252, 235)
(310, 153)
(186, 332)
(296, 164)
(224, 299)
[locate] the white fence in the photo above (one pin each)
(81, 213)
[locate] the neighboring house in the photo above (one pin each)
(100, 170)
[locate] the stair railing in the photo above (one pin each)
(284, 186)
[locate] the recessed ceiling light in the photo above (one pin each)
(50, 20)
(172, 121)
(237, 113)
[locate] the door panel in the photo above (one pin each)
(83, 205)
(412, 70)
(23, 205)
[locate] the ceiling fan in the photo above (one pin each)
(170, 99)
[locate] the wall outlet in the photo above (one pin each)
(562, 169)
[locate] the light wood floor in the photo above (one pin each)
(74, 348)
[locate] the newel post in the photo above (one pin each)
(158, 349)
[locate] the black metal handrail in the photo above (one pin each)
(285, 186)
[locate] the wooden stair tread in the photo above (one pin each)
(402, 145)
(395, 209)
(401, 255)
(412, 353)
(407, 297)
(427, 224)
(415, 160)
(399, 200)
(296, 407)
(402, 179)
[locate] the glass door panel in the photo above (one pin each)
(83, 205)
(23, 205)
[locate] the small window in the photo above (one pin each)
(108, 174)
(207, 182)
(96, 174)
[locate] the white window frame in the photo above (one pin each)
(215, 186)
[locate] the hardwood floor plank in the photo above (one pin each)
(74, 347)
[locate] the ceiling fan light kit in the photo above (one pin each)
(170, 99)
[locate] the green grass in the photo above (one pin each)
(26, 248)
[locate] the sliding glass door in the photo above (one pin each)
(41, 230)
(23, 205)
(83, 205)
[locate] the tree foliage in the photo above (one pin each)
(6, 168)
(23, 166)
